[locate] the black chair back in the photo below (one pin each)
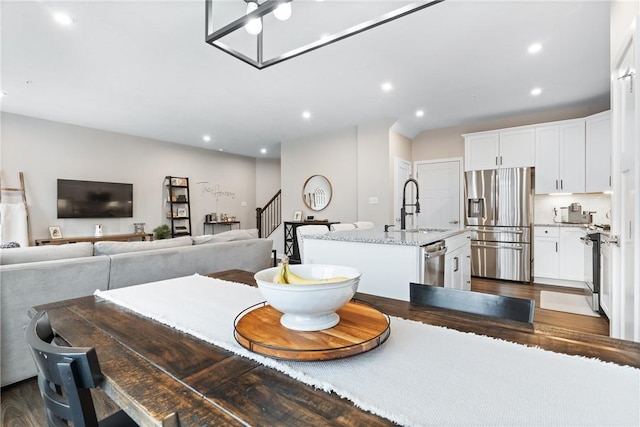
(65, 377)
(499, 306)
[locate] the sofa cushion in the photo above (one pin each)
(227, 236)
(112, 248)
(142, 267)
(45, 253)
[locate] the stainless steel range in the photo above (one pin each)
(592, 275)
(499, 213)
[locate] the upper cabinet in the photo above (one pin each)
(570, 156)
(560, 157)
(507, 148)
(598, 152)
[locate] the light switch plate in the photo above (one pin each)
(373, 200)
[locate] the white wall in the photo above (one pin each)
(46, 150)
(333, 155)
(374, 178)
(356, 162)
(267, 180)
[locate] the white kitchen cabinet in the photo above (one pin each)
(517, 148)
(598, 152)
(560, 157)
(507, 148)
(545, 252)
(558, 256)
(481, 151)
(457, 262)
(571, 251)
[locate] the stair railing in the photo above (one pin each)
(269, 217)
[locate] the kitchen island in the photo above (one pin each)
(389, 261)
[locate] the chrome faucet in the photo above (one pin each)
(403, 210)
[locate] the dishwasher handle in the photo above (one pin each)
(435, 254)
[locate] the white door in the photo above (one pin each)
(625, 292)
(402, 172)
(440, 194)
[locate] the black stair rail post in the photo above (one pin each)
(259, 220)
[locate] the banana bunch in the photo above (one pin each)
(287, 277)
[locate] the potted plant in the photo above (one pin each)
(162, 232)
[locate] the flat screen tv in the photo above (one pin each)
(90, 199)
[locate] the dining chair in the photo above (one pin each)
(66, 376)
(363, 224)
(342, 227)
(306, 230)
(499, 306)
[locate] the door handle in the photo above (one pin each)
(517, 248)
(455, 221)
(485, 230)
(435, 254)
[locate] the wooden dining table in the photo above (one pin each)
(161, 376)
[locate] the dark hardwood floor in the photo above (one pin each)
(22, 405)
(576, 322)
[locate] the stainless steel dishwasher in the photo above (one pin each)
(434, 263)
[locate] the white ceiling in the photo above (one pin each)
(143, 68)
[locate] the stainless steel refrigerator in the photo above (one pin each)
(499, 214)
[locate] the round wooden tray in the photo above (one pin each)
(362, 327)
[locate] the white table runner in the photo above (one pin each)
(423, 375)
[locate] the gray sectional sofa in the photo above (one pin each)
(43, 274)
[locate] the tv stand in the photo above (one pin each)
(113, 238)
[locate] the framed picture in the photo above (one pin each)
(178, 181)
(54, 232)
(182, 212)
(297, 215)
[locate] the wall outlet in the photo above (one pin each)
(243, 204)
(373, 200)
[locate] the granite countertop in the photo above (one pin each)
(397, 237)
(561, 224)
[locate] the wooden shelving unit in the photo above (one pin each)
(178, 205)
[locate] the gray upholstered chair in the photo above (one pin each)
(342, 227)
(363, 224)
(305, 230)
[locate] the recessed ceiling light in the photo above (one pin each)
(206, 138)
(419, 113)
(306, 115)
(535, 48)
(220, 149)
(263, 151)
(62, 18)
(386, 86)
(536, 91)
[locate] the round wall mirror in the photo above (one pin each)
(316, 192)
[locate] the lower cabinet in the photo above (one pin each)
(558, 256)
(457, 262)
